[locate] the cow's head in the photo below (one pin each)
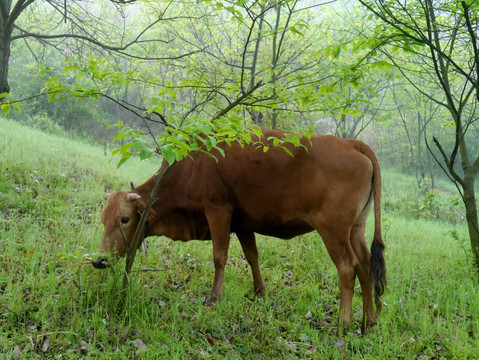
(120, 218)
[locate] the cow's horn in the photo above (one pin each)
(133, 197)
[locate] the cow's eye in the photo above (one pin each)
(125, 220)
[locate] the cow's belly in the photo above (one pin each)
(276, 228)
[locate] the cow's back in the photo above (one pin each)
(272, 192)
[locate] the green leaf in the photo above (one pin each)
(326, 89)
(43, 69)
(448, 124)
(257, 131)
(139, 144)
(146, 153)
(327, 51)
(125, 157)
(287, 151)
(294, 30)
(336, 51)
(220, 150)
(118, 124)
(70, 68)
(168, 154)
(124, 149)
(382, 66)
(6, 108)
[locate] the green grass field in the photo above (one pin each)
(52, 306)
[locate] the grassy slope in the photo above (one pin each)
(50, 199)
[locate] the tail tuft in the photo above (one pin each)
(378, 271)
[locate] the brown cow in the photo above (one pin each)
(330, 188)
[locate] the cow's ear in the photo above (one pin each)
(140, 207)
(153, 216)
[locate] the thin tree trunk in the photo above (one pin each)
(471, 216)
(135, 243)
(4, 58)
(5, 41)
(8, 16)
(470, 173)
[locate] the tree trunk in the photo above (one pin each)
(274, 120)
(471, 216)
(4, 58)
(8, 16)
(5, 40)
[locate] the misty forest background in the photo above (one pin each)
(333, 67)
(402, 76)
(141, 79)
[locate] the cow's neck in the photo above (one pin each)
(146, 188)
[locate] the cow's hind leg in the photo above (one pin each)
(248, 243)
(336, 240)
(362, 253)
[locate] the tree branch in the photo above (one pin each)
(237, 101)
(391, 20)
(20, 6)
(448, 162)
(472, 34)
(25, 33)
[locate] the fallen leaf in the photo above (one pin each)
(17, 352)
(46, 343)
(211, 340)
(139, 345)
(33, 328)
(84, 348)
(305, 339)
(25, 292)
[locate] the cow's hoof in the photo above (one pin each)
(365, 328)
(211, 301)
(260, 293)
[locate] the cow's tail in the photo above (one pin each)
(377, 270)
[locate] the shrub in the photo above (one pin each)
(43, 122)
(431, 205)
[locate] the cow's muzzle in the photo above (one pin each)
(100, 263)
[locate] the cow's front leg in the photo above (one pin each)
(248, 243)
(219, 222)
(220, 255)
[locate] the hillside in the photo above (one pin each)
(51, 196)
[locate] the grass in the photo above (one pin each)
(52, 306)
